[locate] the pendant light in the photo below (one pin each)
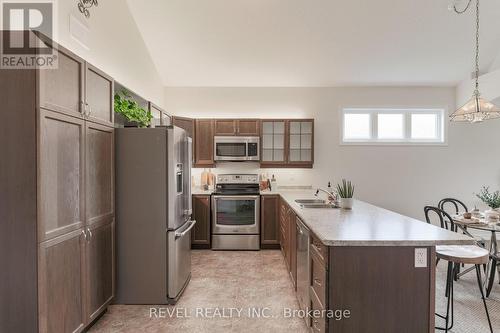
(477, 108)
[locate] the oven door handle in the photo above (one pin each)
(235, 197)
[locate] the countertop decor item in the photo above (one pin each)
(492, 199)
(128, 108)
(345, 192)
(477, 108)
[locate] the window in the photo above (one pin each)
(392, 126)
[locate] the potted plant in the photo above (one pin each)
(130, 110)
(492, 200)
(345, 191)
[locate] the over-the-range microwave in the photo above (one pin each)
(236, 148)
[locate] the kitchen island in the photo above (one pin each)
(371, 270)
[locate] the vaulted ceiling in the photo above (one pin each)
(314, 42)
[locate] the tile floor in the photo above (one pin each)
(260, 280)
(229, 279)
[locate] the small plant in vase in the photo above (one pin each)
(492, 200)
(345, 191)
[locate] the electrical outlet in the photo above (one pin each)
(421, 257)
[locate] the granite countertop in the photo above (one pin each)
(200, 191)
(368, 225)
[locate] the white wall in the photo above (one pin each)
(114, 45)
(400, 178)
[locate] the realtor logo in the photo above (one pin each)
(22, 24)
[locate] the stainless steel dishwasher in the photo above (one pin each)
(303, 280)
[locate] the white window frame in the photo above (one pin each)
(441, 127)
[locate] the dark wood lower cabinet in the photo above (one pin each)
(100, 268)
(382, 289)
(200, 235)
(288, 239)
(269, 222)
(57, 206)
(61, 283)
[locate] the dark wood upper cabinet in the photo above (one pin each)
(248, 127)
(160, 116)
(187, 124)
(301, 143)
(204, 132)
(273, 143)
(242, 127)
(287, 143)
(99, 177)
(269, 221)
(98, 96)
(100, 272)
(61, 169)
(62, 89)
(61, 284)
(200, 234)
(225, 127)
(59, 187)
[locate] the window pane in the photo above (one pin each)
(424, 126)
(357, 126)
(390, 126)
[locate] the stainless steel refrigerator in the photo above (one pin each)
(153, 214)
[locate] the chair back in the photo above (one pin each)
(455, 203)
(445, 219)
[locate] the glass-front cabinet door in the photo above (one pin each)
(273, 141)
(301, 141)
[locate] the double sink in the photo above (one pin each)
(315, 203)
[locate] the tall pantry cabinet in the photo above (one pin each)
(57, 196)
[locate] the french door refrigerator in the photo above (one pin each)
(153, 214)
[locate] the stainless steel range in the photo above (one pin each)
(236, 212)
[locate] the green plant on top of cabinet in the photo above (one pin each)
(130, 109)
(287, 143)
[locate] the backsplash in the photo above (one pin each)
(284, 177)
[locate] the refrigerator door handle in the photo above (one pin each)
(182, 234)
(189, 204)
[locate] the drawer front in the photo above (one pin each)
(318, 278)
(320, 249)
(318, 324)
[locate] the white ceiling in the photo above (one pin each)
(313, 42)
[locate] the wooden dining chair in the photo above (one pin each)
(456, 255)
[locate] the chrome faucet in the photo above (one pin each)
(332, 197)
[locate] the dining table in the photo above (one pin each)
(481, 223)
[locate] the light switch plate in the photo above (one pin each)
(420, 257)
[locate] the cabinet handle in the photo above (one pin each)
(318, 281)
(82, 108)
(84, 235)
(90, 233)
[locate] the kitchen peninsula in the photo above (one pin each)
(365, 260)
